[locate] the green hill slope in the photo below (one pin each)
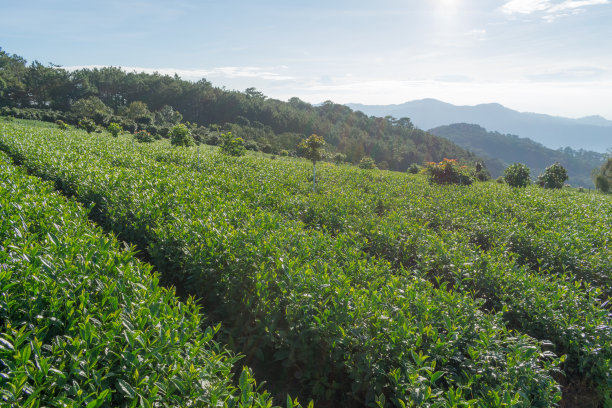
(501, 150)
(154, 102)
(378, 287)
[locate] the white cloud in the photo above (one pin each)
(197, 74)
(550, 9)
(525, 6)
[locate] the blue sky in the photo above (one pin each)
(545, 56)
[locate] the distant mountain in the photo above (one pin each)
(589, 133)
(500, 150)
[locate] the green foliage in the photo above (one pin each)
(143, 136)
(371, 288)
(92, 108)
(88, 125)
(232, 146)
(180, 136)
(448, 171)
(88, 325)
(367, 163)
(603, 176)
(414, 169)
(114, 129)
(554, 176)
(312, 148)
(481, 173)
(138, 111)
(62, 125)
(603, 183)
(273, 124)
(339, 158)
(168, 116)
(501, 150)
(517, 175)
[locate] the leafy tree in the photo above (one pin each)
(448, 171)
(481, 173)
(139, 112)
(114, 129)
(92, 108)
(167, 115)
(603, 176)
(181, 136)
(554, 176)
(517, 175)
(312, 149)
(233, 146)
(367, 163)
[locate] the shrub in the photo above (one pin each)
(284, 153)
(553, 177)
(233, 146)
(517, 175)
(87, 124)
(142, 136)
(500, 180)
(61, 124)
(414, 168)
(252, 145)
(180, 136)
(339, 158)
(114, 129)
(367, 163)
(448, 171)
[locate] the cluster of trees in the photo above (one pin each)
(499, 151)
(155, 103)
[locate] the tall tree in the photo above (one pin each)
(313, 151)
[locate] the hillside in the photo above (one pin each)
(589, 133)
(155, 102)
(501, 150)
(377, 289)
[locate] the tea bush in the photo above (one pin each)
(249, 238)
(84, 323)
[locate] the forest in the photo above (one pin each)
(155, 102)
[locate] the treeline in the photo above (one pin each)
(155, 102)
(499, 151)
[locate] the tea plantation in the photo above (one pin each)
(377, 290)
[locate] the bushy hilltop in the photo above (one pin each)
(154, 102)
(377, 289)
(499, 151)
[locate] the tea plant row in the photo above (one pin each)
(336, 294)
(85, 324)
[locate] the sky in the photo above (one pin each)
(543, 56)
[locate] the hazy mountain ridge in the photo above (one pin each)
(501, 150)
(588, 133)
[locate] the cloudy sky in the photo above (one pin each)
(545, 56)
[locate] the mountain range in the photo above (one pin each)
(588, 133)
